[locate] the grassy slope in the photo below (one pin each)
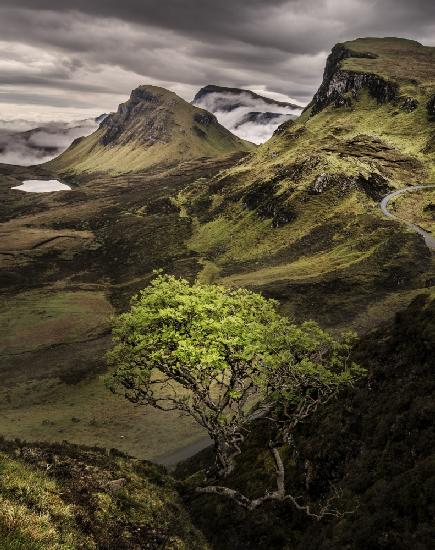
(337, 253)
(417, 207)
(70, 498)
(187, 139)
(57, 298)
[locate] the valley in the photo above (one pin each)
(322, 217)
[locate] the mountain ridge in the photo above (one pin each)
(213, 88)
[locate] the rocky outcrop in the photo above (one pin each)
(374, 186)
(407, 104)
(142, 105)
(340, 85)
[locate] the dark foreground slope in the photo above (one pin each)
(63, 497)
(376, 445)
(299, 218)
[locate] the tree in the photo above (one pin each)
(227, 358)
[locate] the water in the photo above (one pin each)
(42, 186)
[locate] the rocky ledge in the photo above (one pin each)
(339, 85)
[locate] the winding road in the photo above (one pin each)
(428, 238)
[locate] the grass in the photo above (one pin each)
(417, 207)
(41, 319)
(62, 395)
(32, 513)
(87, 413)
(70, 498)
(395, 57)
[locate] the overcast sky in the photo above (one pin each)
(70, 59)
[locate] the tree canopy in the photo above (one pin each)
(226, 357)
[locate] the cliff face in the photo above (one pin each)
(339, 86)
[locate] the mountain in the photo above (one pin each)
(247, 114)
(153, 128)
(299, 218)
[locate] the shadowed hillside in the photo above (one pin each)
(374, 447)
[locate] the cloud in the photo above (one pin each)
(23, 144)
(240, 113)
(95, 52)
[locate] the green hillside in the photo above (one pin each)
(153, 128)
(299, 218)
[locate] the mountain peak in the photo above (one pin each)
(380, 65)
(153, 127)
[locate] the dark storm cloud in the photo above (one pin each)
(102, 46)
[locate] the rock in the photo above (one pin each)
(46, 422)
(338, 83)
(116, 485)
(263, 200)
(205, 118)
(407, 104)
(374, 186)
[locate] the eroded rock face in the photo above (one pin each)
(374, 186)
(143, 105)
(339, 85)
(205, 118)
(407, 104)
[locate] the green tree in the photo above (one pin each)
(226, 357)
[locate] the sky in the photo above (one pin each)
(61, 60)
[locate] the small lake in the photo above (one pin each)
(42, 186)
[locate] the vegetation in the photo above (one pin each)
(417, 207)
(298, 219)
(226, 358)
(374, 445)
(63, 497)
